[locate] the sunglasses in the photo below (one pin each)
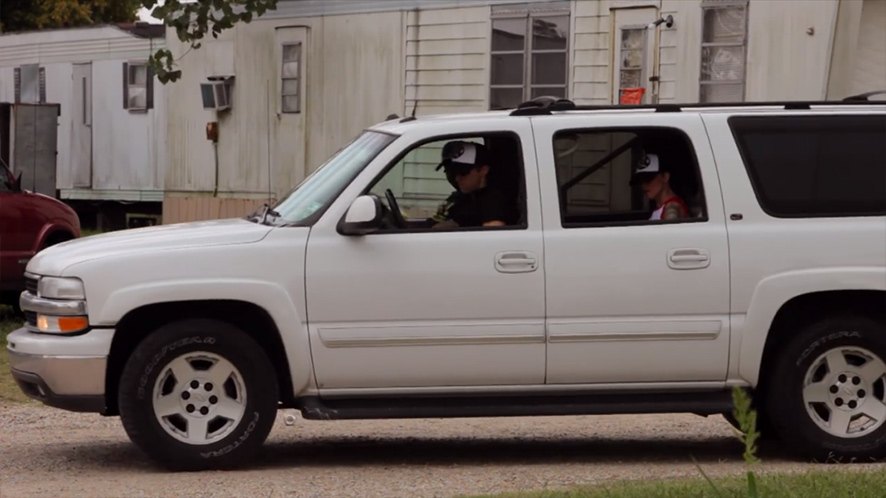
(454, 169)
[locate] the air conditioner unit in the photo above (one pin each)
(216, 92)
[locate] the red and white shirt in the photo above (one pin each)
(673, 203)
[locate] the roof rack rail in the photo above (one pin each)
(538, 107)
(864, 97)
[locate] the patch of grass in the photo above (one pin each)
(9, 390)
(818, 484)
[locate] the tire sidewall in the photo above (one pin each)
(786, 394)
(149, 360)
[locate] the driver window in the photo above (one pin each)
(419, 187)
(454, 183)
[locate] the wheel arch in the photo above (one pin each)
(254, 320)
(779, 298)
(804, 310)
(52, 235)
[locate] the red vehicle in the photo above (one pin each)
(29, 222)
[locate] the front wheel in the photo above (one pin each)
(828, 392)
(198, 394)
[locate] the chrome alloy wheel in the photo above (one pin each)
(199, 398)
(843, 392)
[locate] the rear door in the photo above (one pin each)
(631, 300)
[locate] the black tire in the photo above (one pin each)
(802, 429)
(198, 344)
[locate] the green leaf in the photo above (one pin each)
(193, 21)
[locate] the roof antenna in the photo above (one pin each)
(414, 106)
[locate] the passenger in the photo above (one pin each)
(474, 204)
(654, 178)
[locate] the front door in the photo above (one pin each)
(81, 126)
(634, 55)
(422, 307)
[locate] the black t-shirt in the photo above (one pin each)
(479, 207)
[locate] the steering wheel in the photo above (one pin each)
(399, 220)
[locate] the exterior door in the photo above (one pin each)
(630, 300)
(81, 127)
(428, 308)
(634, 53)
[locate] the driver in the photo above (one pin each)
(474, 204)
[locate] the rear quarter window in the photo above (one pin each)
(815, 166)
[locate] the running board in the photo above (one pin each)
(701, 403)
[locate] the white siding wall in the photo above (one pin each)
(7, 84)
(128, 148)
(784, 62)
(447, 60)
(361, 66)
(680, 52)
(190, 164)
(858, 60)
(594, 43)
(353, 77)
(869, 73)
(591, 54)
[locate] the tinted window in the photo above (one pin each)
(815, 165)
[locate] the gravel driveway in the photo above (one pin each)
(48, 452)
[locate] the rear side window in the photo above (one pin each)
(815, 166)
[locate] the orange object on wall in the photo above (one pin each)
(631, 96)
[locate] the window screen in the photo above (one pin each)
(815, 165)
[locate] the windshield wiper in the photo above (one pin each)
(261, 216)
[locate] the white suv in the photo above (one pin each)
(349, 299)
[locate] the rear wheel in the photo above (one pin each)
(828, 391)
(198, 394)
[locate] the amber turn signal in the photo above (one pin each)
(61, 324)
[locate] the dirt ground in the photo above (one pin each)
(52, 453)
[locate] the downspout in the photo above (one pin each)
(215, 154)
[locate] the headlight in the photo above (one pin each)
(61, 288)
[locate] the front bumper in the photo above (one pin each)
(65, 372)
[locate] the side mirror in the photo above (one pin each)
(364, 216)
(17, 183)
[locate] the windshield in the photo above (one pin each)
(306, 202)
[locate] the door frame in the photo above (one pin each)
(650, 55)
(81, 124)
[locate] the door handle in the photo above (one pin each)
(515, 262)
(688, 259)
